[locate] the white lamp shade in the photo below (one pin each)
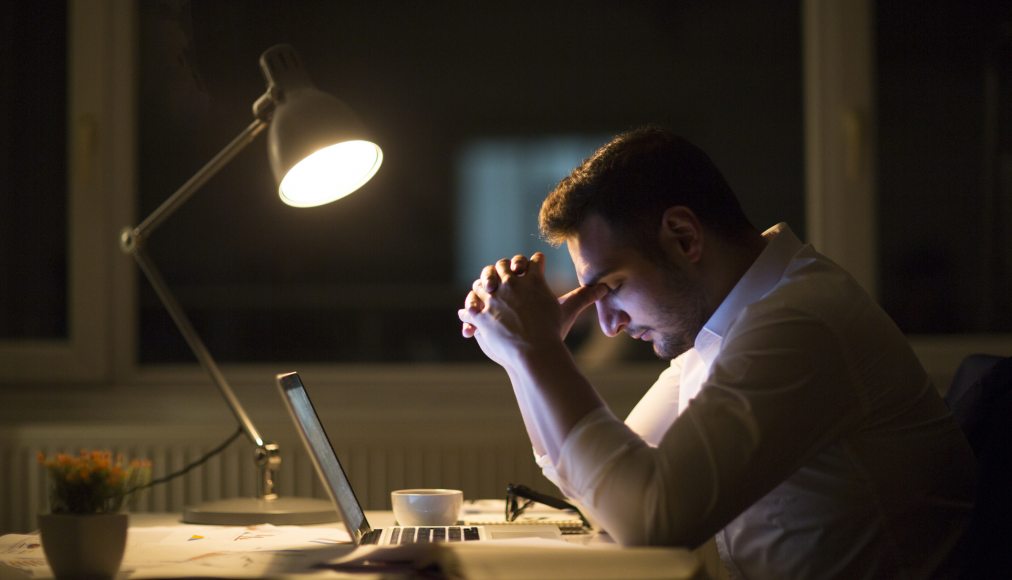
(317, 147)
(317, 150)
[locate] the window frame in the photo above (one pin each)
(100, 167)
(101, 346)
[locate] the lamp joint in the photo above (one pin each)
(263, 107)
(268, 460)
(129, 240)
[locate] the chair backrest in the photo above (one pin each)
(980, 398)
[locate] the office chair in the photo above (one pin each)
(980, 398)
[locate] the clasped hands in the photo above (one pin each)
(511, 311)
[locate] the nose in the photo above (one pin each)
(612, 319)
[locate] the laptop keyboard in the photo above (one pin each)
(437, 534)
(421, 535)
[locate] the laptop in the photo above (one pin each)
(335, 480)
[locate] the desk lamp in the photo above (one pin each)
(318, 155)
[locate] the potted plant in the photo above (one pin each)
(84, 535)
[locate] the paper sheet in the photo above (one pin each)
(522, 560)
(208, 551)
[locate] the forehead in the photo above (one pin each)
(597, 251)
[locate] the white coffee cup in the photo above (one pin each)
(427, 507)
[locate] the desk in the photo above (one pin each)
(159, 547)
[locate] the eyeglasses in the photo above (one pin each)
(514, 508)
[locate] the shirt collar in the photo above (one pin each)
(760, 278)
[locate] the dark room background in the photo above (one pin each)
(522, 91)
(480, 108)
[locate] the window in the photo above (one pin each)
(66, 156)
(33, 207)
(501, 183)
(945, 165)
(377, 277)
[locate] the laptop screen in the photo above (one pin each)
(322, 453)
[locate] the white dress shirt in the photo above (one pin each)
(801, 429)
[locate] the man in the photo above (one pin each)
(794, 422)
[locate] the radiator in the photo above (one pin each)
(480, 466)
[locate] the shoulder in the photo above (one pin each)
(815, 290)
(820, 313)
(810, 316)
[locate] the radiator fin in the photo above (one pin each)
(480, 468)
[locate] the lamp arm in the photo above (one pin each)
(196, 344)
(132, 241)
(212, 167)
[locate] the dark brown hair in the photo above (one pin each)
(632, 180)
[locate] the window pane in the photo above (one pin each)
(945, 168)
(377, 276)
(33, 205)
(501, 183)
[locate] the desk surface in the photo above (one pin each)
(160, 545)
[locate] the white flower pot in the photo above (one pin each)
(83, 546)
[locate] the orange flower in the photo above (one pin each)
(90, 482)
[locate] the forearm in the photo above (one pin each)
(554, 392)
(520, 324)
(529, 413)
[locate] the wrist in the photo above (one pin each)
(548, 353)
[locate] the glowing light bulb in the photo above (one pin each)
(330, 173)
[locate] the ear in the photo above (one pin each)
(681, 232)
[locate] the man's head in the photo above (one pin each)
(634, 216)
(632, 180)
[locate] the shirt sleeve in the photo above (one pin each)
(777, 393)
(650, 418)
(656, 411)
